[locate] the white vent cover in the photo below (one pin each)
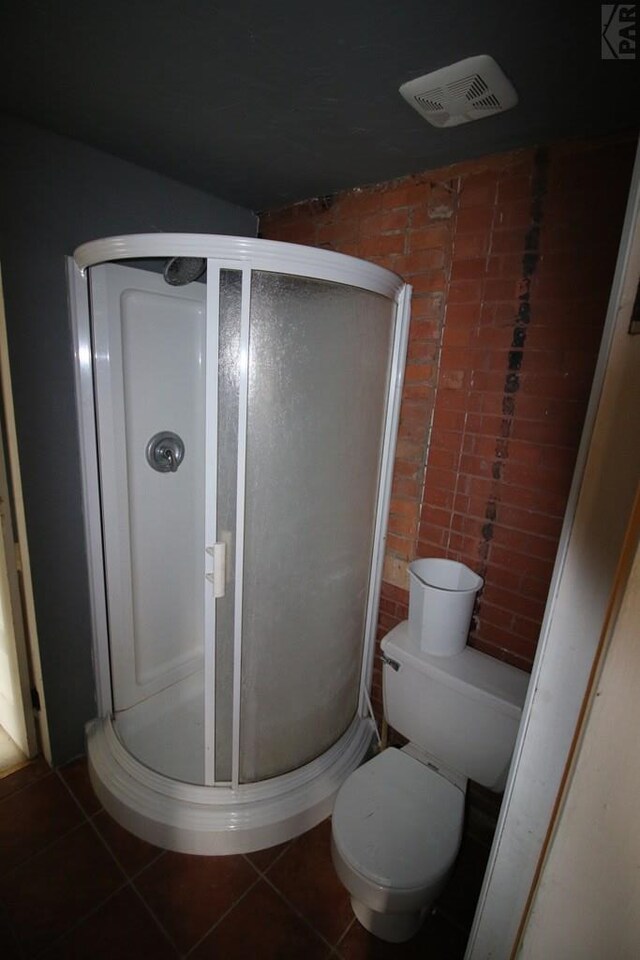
(468, 90)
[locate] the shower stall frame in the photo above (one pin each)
(229, 817)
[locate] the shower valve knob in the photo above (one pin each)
(165, 452)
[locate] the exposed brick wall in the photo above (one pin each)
(511, 259)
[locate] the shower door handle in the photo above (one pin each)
(218, 575)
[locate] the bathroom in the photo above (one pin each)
(417, 226)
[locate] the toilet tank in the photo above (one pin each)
(464, 709)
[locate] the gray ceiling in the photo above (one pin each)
(267, 101)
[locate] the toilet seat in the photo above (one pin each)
(398, 822)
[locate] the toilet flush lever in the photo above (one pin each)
(389, 662)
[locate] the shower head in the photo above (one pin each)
(180, 270)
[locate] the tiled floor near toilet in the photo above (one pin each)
(75, 885)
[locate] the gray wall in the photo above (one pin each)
(55, 194)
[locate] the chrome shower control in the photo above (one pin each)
(165, 452)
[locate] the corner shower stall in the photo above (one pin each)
(238, 403)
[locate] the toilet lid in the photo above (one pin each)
(398, 822)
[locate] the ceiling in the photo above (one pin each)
(264, 102)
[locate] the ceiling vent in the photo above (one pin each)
(468, 90)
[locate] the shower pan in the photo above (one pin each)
(238, 404)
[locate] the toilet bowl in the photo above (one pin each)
(397, 827)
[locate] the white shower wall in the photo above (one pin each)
(149, 341)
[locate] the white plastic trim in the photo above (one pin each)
(212, 324)
(85, 404)
(398, 363)
(218, 820)
(271, 255)
(241, 478)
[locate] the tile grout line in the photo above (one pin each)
(128, 879)
(85, 916)
(45, 849)
(152, 913)
(345, 932)
(298, 913)
(49, 772)
(223, 915)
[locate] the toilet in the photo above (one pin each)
(397, 821)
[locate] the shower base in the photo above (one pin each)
(213, 820)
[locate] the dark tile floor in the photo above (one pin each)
(75, 885)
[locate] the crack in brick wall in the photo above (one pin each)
(530, 259)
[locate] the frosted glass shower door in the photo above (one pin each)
(318, 378)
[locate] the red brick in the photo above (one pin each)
(404, 194)
(446, 419)
(421, 260)
(381, 245)
(508, 241)
(430, 533)
(429, 282)
(423, 392)
(452, 379)
(474, 269)
(446, 439)
(340, 230)
(524, 563)
(444, 479)
(499, 288)
(357, 203)
(461, 314)
(523, 452)
(442, 458)
(406, 508)
(384, 222)
(513, 600)
(526, 628)
(404, 487)
(418, 372)
(403, 526)
(496, 616)
(421, 350)
(394, 592)
(440, 498)
(465, 291)
(437, 235)
(474, 220)
(514, 214)
(471, 245)
(427, 306)
(427, 549)
(478, 190)
(514, 188)
(400, 546)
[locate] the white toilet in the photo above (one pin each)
(397, 820)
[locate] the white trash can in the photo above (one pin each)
(442, 595)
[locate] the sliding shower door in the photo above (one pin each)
(318, 377)
(241, 426)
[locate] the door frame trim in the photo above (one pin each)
(27, 649)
